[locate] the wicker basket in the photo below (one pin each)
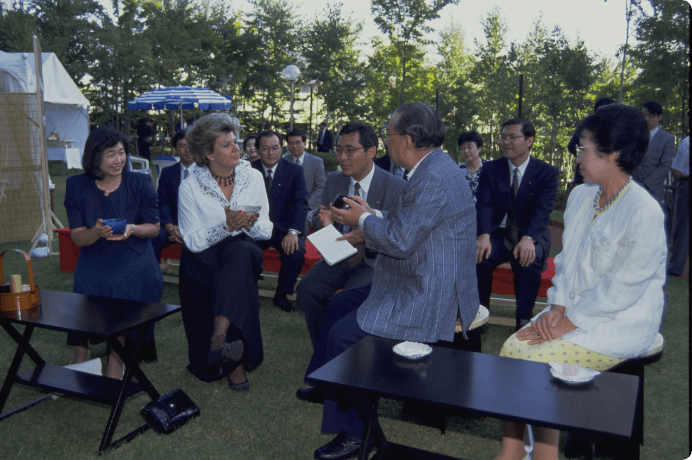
(18, 301)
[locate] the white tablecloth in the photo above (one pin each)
(69, 156)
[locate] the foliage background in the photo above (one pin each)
(145, 44)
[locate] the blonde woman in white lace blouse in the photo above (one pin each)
(220, 263)
(606, 303)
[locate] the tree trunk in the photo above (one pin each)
(403, 80)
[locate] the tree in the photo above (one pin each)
(495, 83)
(272, 27)
(384, 81)
(17, 26)
(662, 54)
(122, 68)
(404, 23)
(332, 60)
(456, 104)
(67, 28)
(565, 75)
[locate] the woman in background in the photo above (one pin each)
(470, 145)
(121, 266)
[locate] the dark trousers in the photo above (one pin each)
(339, 413)
(681, 230)
(221, 281)
(527, 280)
(318, 286)
(291, 264)
(160, 242)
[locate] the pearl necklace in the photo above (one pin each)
(109, 191)
(224, 181)
(617, 195)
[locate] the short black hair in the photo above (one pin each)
(527, 128)
(98, 141)
(252, 136)
(368, 136)
(296, 132)
(654, 108)
(618, 128)
(470, 136)
(177, 136)
(268, 134)
(603, 102)
(421, 123)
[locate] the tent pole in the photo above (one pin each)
(47, 212)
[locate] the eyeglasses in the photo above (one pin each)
(295, 144)
(348, 151)
(511, 138)
(580, 151)
(273, 148)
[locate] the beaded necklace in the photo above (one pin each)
(600, 210)
(224, 181)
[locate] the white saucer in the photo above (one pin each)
(412, 350)
(583, 374)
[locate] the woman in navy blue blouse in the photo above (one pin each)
(121, 266)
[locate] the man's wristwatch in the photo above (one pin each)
(294, 232)
(532, 240)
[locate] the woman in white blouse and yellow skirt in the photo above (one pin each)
(220, 263)
(606, 303)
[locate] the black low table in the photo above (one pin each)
(488, 385)
(99, 317)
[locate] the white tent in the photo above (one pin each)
(66, 108)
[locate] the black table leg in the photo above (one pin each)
(131, 370)
(17, 337)
(372, 433)
(22, 349)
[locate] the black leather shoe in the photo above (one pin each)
(342, 447)
(310, 394)
(284, 304)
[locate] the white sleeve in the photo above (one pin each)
(195, 227)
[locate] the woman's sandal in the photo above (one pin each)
(227, 352)
(242, 386)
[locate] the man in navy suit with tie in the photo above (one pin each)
(169, 183)
(288, 209)
(516, 195)
(423, 278)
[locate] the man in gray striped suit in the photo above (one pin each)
(425, 273)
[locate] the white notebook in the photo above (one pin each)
(333, 251)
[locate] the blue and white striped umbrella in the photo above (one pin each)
(180, 97)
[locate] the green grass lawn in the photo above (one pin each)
(269, 422)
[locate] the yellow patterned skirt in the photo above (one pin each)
(559, 350)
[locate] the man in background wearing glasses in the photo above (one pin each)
(516, 195)
(652, 171)
(313, 171)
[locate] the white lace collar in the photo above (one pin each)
(209, 187)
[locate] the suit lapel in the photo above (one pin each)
(375, 193)
(527, 180)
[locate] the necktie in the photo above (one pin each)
(297, 161)
(357, 257)
(186, 173)
(269, 181)
(405, 175)
(512, 229)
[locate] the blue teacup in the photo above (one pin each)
(117, 225)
